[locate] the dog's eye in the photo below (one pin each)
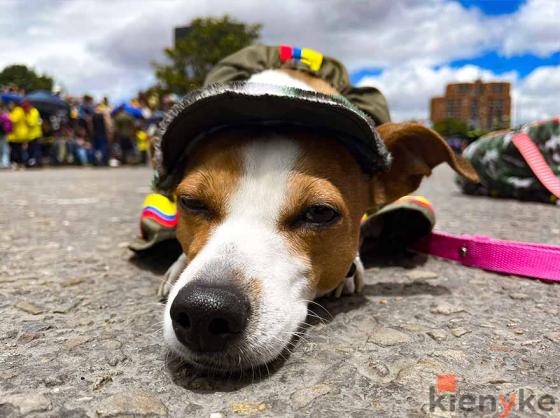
(193, 205)
(319, 215)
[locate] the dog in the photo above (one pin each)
(269, 220)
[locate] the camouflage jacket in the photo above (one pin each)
(503, 171)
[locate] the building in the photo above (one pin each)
(180, 32)
(482, 106)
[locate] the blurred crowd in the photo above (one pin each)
(45, 129)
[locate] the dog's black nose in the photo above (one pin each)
(206, 318)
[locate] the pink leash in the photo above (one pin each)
(533, 157)
(522, 258)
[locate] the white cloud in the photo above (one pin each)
(534, 28)
(537, 95)
(106, 46)
(409, 89)
(127, 35)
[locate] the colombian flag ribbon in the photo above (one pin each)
(309, 57)
(160, 209)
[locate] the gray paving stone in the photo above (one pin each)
(63, 235)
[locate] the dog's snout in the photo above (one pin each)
(206, 318)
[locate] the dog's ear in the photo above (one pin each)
(416, 150)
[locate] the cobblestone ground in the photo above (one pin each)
(80, 330)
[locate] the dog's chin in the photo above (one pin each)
(235, 359)
(224, 365)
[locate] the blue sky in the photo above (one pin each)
(493, 7)
(522, 64)
(491, 59)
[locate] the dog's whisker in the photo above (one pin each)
(286, 347)
(298, 335)
(305, 325)
(320, 306)
(321, 320)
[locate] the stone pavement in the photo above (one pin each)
(80, 330)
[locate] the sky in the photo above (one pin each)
(410, 49)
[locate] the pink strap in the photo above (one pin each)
(537, 163)
(521, 258)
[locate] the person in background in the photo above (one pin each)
(49, 144)
(80, 147)
(142, 144)
(125, 134)
(85, 114)
(70, 149)
(58, 149)
(101, 134)
(86, 106)
(5, 129)
(34, 133)
(105, 106)
(18, 136)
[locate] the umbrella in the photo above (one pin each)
(10, 97)
(131, 110)
(46, 102)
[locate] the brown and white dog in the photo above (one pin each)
(269, 221)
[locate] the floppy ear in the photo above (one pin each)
(416, 150)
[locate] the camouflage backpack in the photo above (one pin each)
(502, 169)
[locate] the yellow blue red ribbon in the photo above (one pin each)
(309, 57)
(160, 209)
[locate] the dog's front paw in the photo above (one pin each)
(354, 283)
(171, 276)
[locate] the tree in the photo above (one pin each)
(452, 127)
(206, 42)
(25, 78)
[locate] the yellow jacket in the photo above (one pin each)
(142, 140)
(33, 120)
(20, 131)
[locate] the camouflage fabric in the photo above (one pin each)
(396, 227)
(256, 58)
(503, 171)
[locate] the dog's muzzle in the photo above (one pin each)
(207, 318)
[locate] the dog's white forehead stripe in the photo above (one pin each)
(262, 187)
